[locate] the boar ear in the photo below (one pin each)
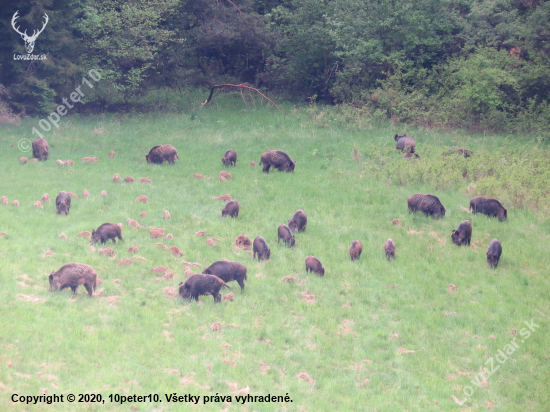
(50, 278)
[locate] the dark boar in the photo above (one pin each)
(409, 155)
(462, 151)
(313, 264)
(493, 253)
(259, 247)
(389, 248)
(231, 208)
(489, 207)
(298, 221)
(230, 158)
(429, 204)
(197, 285)
(63, 203)
(40, 149)
(463, 234)
(105, 232)
(284, 232)
(277, 159)
(405, 143)
(228, 271)
(162, 153)
(355, 250)
(73, 274)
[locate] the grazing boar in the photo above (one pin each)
(4, 200)
(142, 199)
(128, 179)
(463, 234)
(166, 215)
(162, 153)
(284, 232)
(389, 248)
(355, 250)
(464, 152)
(70, 162)
(405, 143)
(429, 204)
(259, 247)
(253, 163)
(145, 180)
(409, 155)
(89, 159)
(40, 149)
(313, 264)
(105, 232)
(228, 271)
(63, 203)
(230, 158)
(45, 198)
(24, 160)
(103, 193)
(493, 253)
(231, 208)
(112, 154)
(197, 285)
(71, 275)
(223, 179)
(298, 221)
(116, 177)
(277, 159)
(85, 193)
(16, 203)
(243, 241)
(38, 203)
(489, 207)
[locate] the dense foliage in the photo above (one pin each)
(480, 63)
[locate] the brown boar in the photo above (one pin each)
(116, 177)
(355, 250)
(16, 203)
(243, 242)
(489, 207)
(314, 265)
(230, 158)
(223, 179)
(71, 275)
(298, 221)
(24, 160)
(176, 251)
(225, 174)
(389, 248)
(231, 208)
(63, 203)
(197, 285)
(259, 247)
(493, 253)
(463, 234)
(68, 163)
(60, 162)
(142, 199)
(428, 204)
(128, 179)
(156, 233)
(105, 232)
(5, 200)
(107, 251)
(89, 159)
(409, 155)
(253, 163)
(462, 151)
(284, 232)
(85, 194)
(145, 180)
(405, 143)
(40, 149)
(162, 153)
(103, 193)
(45, 198)
(228, 271)
(166, 215)
(278, 160)
(38, 203)
(112, 154)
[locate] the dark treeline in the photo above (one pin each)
(481, 63)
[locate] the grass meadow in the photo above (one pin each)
(370, 335)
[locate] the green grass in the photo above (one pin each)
(353, 341)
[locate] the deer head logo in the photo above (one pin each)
(29, 40)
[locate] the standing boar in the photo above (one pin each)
(105, 232)
(63, 203)
(355, 250)
(493, 253)
(197, 285)
(231, 208)
(228, 271)
(278, 160)
(284, 232)
(71, 275)
(463, 234)
(429, 204)
(489, 207)
(313, 264)
(298, 221)
(389, 248)
(405, 143)
(259, 247)
(40, 149)
(162, 153)
(230, 158)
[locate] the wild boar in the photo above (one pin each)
(63, 203)
(161, 153)
(284, 232)
(228, 271)
(405, 143)
(105, 232)
(197, 285)
(40, 149)
(493, 253)
(298, 221)
(71, 275)
(231, 208)
(259, 247)
(389, 248)
(355, 250)
(489, 207)
(462, 151)
(463, 234)
(409, 155)
(230, 158)
(313, 264)
(429, 204)
(277, 159)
